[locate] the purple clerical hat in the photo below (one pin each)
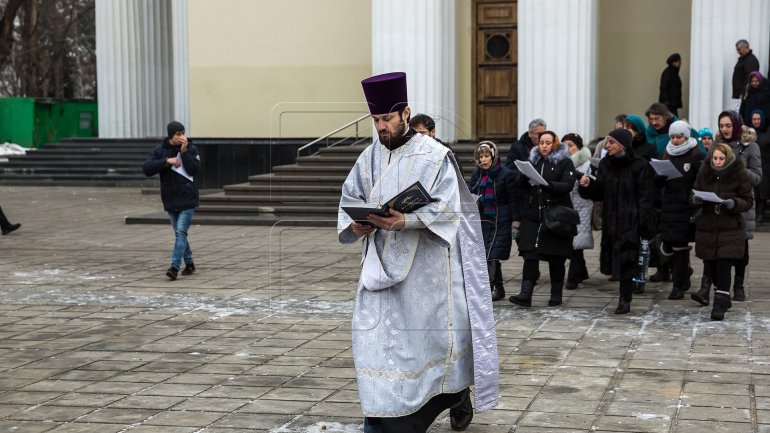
(385, 93)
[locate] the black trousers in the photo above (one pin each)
(577, 267)
(740, 265)
(719, 271)
(3, 220)
(418, 422)
(495, 273)
(555, 269)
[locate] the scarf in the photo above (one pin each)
(682, 148)
(487, 189)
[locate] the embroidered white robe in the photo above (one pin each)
(422, 322)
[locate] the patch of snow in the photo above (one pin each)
(649, 416)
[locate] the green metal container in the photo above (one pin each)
(32, 123)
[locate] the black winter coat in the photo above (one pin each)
(720, 232)
(177, 192)
(559, 171)
(519, 151)
(643, 148)
(758, 98)
(670, 88)
(497, 233)
(625, 185)
(763, 140)
(743, 67)
(674, 224)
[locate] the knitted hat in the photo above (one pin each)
(680, 127)
(173, 127)
(637, 123)
(578, 140)
(385, 93)
(622, 136)
(705, 132)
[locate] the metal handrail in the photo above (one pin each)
(329, 134)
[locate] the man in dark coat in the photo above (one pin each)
(746, 64)
(178, 163)
(624, 182)
(671, 84)
(520, 151)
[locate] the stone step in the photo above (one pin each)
(71, 170)
(223, 199)
(44, 156)
(320, 170)
(106, 151)
(22, 162)
(262, 189)
(276, 210)
(48, 180)
(243, 220)
(278, 179)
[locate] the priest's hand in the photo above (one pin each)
(361, 229)
(396, 221)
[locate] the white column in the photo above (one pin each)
(557, 65)
(137, 66)
(181, 63)
(716, 26)
(418, 37)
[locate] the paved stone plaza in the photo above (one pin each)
(94, 338)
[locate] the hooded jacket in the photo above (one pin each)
(177, 192)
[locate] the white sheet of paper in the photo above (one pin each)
(604, 153)
(585, 168)
(707, 196)
(181, 169)
(665, 168)
(528, 170)
(595, 162)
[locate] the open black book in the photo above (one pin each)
(408, 200)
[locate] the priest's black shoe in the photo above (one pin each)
(460, 417)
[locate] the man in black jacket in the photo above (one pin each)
(177, 162)
(671, 85)
(747, 63)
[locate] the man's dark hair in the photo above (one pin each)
(620, 118)
(660, 110)
(422, 119)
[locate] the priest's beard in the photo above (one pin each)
(396, 139)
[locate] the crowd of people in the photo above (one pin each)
(647, 216)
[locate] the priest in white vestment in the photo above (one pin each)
(423, 330)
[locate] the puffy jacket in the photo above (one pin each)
(497, 233)
(177, 192)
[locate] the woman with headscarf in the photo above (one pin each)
(706, 138)
(759, 122)
(757, 96)
(584, 239)
(719, 237)
(730, 131)
(551, 160)
(624, 182)
(493, 183)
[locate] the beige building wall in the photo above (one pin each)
(254, 65)
(463, 73)
(635, 38)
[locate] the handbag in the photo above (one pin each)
(561, 220)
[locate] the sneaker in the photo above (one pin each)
(189, 268)
(11, 228)
(172, 273)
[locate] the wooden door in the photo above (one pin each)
(495, 60)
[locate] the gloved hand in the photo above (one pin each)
(729, 203)
(696, 200)
(515, 230)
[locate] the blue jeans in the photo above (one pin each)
(180, 221)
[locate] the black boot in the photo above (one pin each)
(498, 291)
(760, 218)
(556, 292)
(721, 305)
(677, 292)
(460, 417)
(739, 294)
(662, 274)
(702, 295)
(624, 300)
(6, 225)
(680, 272)
(524, 298)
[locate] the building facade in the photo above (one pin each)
(483, 68)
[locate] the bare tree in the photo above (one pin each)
(51, 50)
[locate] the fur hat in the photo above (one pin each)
(680, 127)
(748, 135)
